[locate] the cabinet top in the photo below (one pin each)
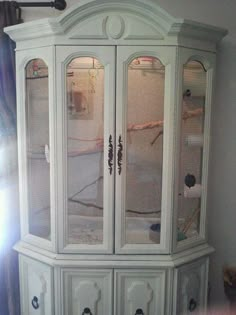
(115, 22)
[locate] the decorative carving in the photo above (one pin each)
(139, 296)
(88, 294)
(110, 154)
(115, 26)
(190, 289)
(119, 155)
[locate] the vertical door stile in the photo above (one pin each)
(109, 147)
(121, 100)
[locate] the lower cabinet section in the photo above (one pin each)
(136, 292)
(60, 290)
(36, 286)
(191, 283)
(140, 292)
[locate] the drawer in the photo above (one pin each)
(191, 282)
(36, 285)
(140, 292)
(87, 291)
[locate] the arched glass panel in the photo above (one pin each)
(38, 166)
(85, 132)
(144, 150)
(190, 189)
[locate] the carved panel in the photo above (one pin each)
(35, 288)
(118, 26)
(139, 296)
(37, 292)
(191, 290)
(87, 292)
(87, 296)
(139, 292)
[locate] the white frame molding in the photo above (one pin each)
(208, 61)
(107, 57)
(167, 57)
(23, 57)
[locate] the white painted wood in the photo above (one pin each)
(124, 56)
(140, 290)
(190, 288)
(106, 55)
(36, 287)
(142, 261)
(87, 291)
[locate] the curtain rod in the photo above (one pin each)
(57, 4)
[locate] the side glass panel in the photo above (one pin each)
(38, 159)
(85, 129)
(190, 190)
(144, 150)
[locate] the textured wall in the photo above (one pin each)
(222, 202)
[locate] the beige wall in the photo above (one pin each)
(222, 201)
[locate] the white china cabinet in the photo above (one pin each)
(114, 104)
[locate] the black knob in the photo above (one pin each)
(139, 311)
(87, 311)
(35, 302)
(190, 180)
(60, 4)
(192, 305)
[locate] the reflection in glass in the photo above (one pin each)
(144, 150)
(189, 204)
(85, 105)
(38, 166)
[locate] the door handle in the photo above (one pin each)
(110, 155)
(120, 155)
(35, 302)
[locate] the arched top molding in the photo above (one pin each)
(115, 22)
(144, 10)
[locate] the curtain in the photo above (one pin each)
(9, 205)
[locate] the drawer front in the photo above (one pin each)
(36, 285)
(140, 292)
(87, 292)
(191, 282)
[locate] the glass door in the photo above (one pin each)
(196, 73)
(142, 79)
(88, 146)
(38, 161)
(35, 113)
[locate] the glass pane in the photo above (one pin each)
(194, 92)
(37, 120)
(144, 149)
(85, 105)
